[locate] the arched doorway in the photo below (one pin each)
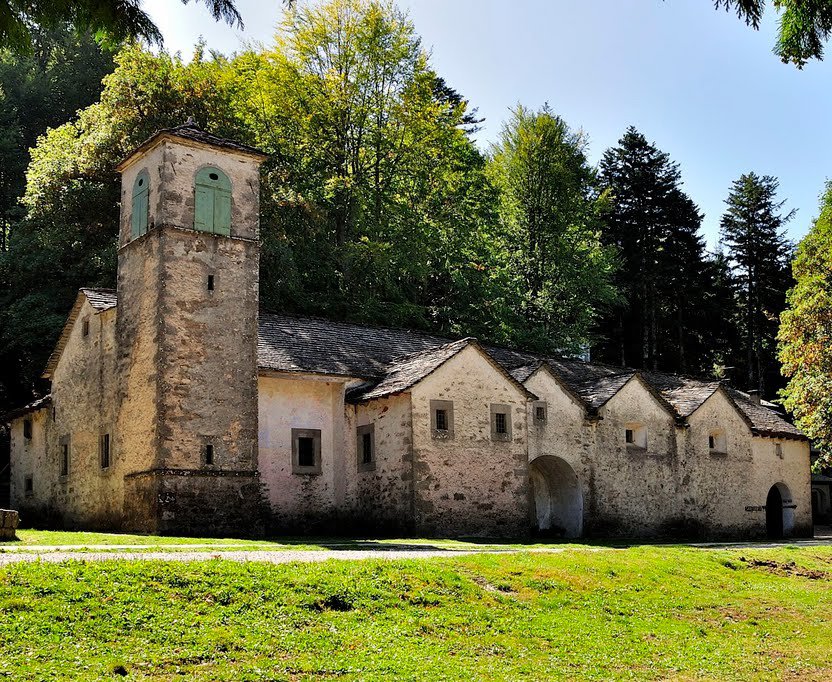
(558, 501)
(779, 512)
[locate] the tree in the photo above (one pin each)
(375, 202)
(805, 25)
(112, 21)
(806, 333)
(550, 209)
(663, 276)
(751, 229)
(44, 89)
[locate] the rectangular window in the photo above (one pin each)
(209, 454)
(28, 485)
(442, 419)
(306, 451)
(635, 436)
(366, 447)
(540, 413)
(711, 442)
(27, 429)
(85, 328)
(210, 282)
(500, 422)
(64, 459)
(104, 450)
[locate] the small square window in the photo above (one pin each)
(306, 451)
(28, 485)
(442, 419)
(635, 436)
(27, 429)
(717, 443)
(366, 444)
(500, 422)
(209, 454)
(85, 328)
(104, 451)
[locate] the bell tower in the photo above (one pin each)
(188, 273)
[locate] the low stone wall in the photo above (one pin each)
(9, 520)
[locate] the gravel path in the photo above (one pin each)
(264, 556)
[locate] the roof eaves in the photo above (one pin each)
(39, 404)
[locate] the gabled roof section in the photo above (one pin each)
(526, 372)
(762, 420)
(100, 300)
(408, 371)
(317, 346)
(189, 131)
(685, 394)
(39, 404)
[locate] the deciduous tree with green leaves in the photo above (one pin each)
(806, 333)
(550, 205)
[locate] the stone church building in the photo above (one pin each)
(178, 407)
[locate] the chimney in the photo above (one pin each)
(754, 396)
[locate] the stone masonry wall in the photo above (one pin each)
(381, 497)
(470, 485)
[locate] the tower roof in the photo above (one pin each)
(192, 133)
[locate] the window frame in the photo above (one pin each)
(315, 435)
(65, 455)
(720, 442)
(540, 405)
(448, 407)
(640, 440)
(361, 432)
(105, 451)
(500, 408)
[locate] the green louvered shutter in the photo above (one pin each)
(138, 214)
(222, 212)
(212, 205)
(204, 209)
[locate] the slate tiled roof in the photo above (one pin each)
(763, 420)
(101, 299)
(684, 393)
(408, 371)
(39, 404)
(190, 131)
(318, 346)
(390, 360)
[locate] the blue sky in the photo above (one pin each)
(698, 82)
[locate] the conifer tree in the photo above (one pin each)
(751, 230)
(663, 275)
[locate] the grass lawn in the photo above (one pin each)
(82, 540)
(650, 613)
